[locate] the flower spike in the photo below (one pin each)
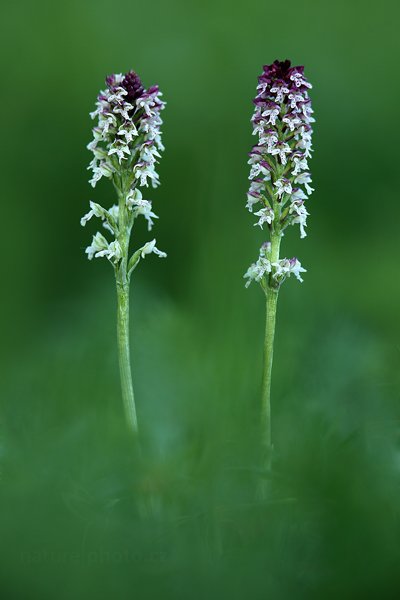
(126, 148)
(279, 188)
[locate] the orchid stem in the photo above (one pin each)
(270, 320)
(124, 356)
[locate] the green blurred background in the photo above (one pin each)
(81, 515)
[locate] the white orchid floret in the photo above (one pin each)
(129, 132)
(263, 266)
(150, 247)
(286, 267)
(139, 206)
(281, 90)
(121, 149)
(118, 95)
(300, 163)
(292, 121)
(99, 243)
(295, 98)
(124, 110)
(133, 197)
(147, 104)
(271, 112)
(259, 169)
(254, 194)
(95, 211)
(268, 139)
(114, 214)
(266, 215)
(283, 186)
(109, 217)
(257, 270)
(104, 169)
(100, 247)
(113, 253)
(144, 208)
(281, 149)
(149, 152)
(300, 214)
(305, 179)
(144, 171)
(298, 194)
(299, 80)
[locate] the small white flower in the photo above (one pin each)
(296, 269)
(144, 171)
(118, 95)
(259, 127)
(133, 197)
(283, 187)
(281, 149)
(254, 194)
(280, 90)
(143, 207)
(292, 121)
(261, 88)
(113, 252)
(129, 134)
(305, 179)
(124, 110)
(120, 149)
(114, 213)
(257, 169)
(272, 113)
(257, 270)
(147, 103)
(299, 80)
(305, 143)
(295, 98)
(266, 215)
(300, 164)
(103, 170)
(99, 243)
(298, 209)
(270, 138)
(251, 201)
(95, 211)
(253, 273)
(298, 194)
(285, 267)
(151, 247)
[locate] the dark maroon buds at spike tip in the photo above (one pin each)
(133, 85)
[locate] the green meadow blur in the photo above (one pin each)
(83, 515)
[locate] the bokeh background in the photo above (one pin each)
(82, 515)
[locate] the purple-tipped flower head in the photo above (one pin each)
(133, 85)
(279, 172)
(127, 134)
(126, 146)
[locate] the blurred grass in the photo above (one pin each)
(81, 515)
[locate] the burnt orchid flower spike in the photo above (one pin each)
(279, 187)
(126, 147)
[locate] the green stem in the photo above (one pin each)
(125, 223)
(124, 355)
(271, 293)
(270, 319)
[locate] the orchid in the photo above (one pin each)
(280, 186)
(126, 148)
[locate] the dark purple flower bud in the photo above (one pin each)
(265, 164)
(133, 85)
